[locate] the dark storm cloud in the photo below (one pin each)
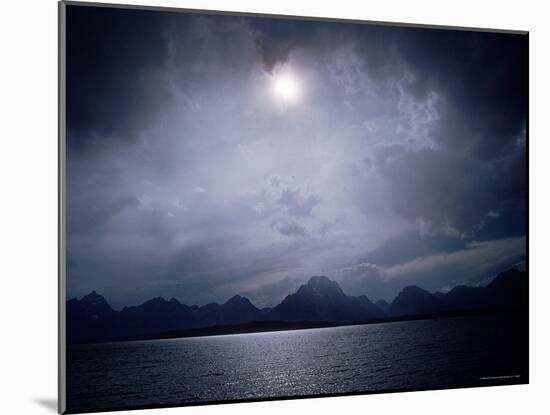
(368, 278)
(443, 178)
(479, 139)
(277, 38)
(484, 76)
(478, 263)
(479, 83)
(114, 80)
(276, 41)
(402, 161)
(412, 244)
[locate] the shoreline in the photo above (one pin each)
(266, 326)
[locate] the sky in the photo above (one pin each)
(210, 155)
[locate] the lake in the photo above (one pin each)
(443, 353)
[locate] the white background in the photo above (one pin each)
(28, 204)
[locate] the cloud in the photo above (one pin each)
(126, 76)
(289, 228)
(413, 244)
(186, 179)
(296, 204)
(364, 278)
(465, 266)
(451, 194)
(474, 263)
(198, 189)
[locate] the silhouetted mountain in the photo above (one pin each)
(383, 305)
(508, 291)
(154, 315)
(464, 298)
(92, 319)
(440, 296)
(207, 315)
(413, 300)
(238, 310)
(323, 300)
(89, 318)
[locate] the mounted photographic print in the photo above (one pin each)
(259, 207)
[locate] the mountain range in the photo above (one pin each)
(91, 319)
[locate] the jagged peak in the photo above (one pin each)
(321, 285)
(506, 277)
(209, 306)
(94, 298)
(237, 299)
(155, 301)
(319, 279)
(92, 294)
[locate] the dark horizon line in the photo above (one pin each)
(271, 326)
(513, 267)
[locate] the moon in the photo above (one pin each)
(286, 88)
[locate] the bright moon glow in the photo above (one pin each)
(286, 88)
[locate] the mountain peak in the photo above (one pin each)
(511, 286)
(317, 279)
(237, 299)
(507, 277)
(94, 299)
(238, 309)
(322, 299)
(415, 300)
(323, 285)
(91, 318)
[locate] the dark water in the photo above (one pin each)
(463, 351)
